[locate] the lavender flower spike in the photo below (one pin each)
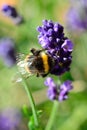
(7, 51)
(57, 45)
(64, 90)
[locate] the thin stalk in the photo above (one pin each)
(52, 116)
(31, 100)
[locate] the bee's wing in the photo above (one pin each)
(16, 78)
(21, 63)
(20, 57)
(21, 70)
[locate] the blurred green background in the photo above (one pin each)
(71, 114)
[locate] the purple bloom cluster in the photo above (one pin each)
(77, 16)
(56, 92)
(11, 12)
(10, 119)
(58, 46)
(7, 51)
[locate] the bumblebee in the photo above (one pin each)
(39, 63)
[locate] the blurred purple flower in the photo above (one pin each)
(11, 12)
(78, 4)
(7, 51)
(77, 16)
(58, 46)
(10, 119)
(56, 92)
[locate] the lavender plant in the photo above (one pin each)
(59, 48)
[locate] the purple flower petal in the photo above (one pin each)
(49, 82)
(67, 46)
(64, 90)
(52, 88)
(52, 93)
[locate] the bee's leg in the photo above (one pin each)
(37, 75)
(44, 75)
(27, 76)
(36, 52)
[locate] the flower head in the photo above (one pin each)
(58, 46)
(58, 92)
(7, 51)
(11, 12)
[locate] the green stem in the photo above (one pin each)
(31, 100)
(53, 115)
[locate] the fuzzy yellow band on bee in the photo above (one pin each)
(45, 62)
